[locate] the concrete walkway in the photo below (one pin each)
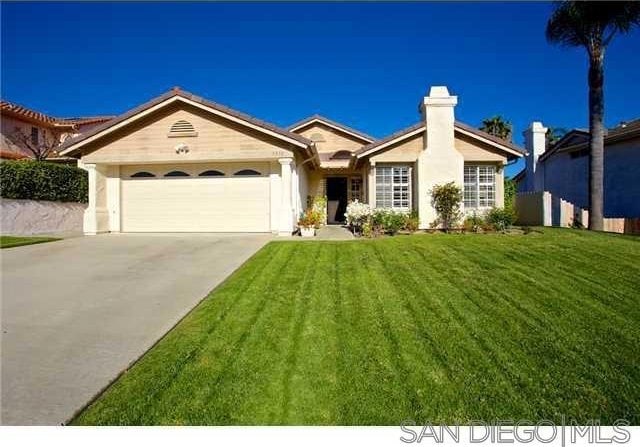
(334, 233)
(77, 312)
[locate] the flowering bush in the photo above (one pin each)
(357, 215)
(310, 219)
(319, 205)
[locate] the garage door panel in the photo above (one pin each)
(187, 204)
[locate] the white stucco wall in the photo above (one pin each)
(22, 217)
(440, 162)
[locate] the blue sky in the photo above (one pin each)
(364, 64)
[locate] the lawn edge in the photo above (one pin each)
(44, 241)
(99, 393)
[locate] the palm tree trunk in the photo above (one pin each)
(596, 143)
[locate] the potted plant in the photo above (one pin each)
(308, 222)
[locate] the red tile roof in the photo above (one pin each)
(16, 110)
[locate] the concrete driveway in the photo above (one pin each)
(77, 312)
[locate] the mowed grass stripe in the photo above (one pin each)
(445, 328)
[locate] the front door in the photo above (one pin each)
(336, 199)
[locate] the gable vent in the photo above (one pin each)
(182, 128)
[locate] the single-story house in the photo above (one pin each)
(180, 163)
(563, 168)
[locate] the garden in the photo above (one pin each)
(369, 222)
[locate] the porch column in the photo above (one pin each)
(286, 203)
(371, 185)
(96, 216)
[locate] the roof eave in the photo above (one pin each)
(330, 123)
(72, 145)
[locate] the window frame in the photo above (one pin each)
(403, 188)
(142, 175)
(176, 174)
(247, 173)
(484, 192)
(210, 173)
(357, 192)
(35, 136)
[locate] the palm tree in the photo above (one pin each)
(497, 126)
(554, 134)
(592, 25)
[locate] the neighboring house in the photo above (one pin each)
(182, 163)
(563, 170)
(22, 128)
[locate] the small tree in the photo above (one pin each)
(40, 148)
(510, 190)
(446, 200)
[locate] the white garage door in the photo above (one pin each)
(225, 198)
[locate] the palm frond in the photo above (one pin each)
(589, 24)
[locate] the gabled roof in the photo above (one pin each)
(396, 137)
(33, 116)
(624, 131)
(419, 127)
(333, 124)
(508, 146)
(176, 94)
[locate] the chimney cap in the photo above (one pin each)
(536, 127)
(439, 97)
(439, 91)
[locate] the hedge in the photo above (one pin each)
(39, 180)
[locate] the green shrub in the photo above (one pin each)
(473, 223)
(412, 221)
(387, 221)
(446, 200)
(37, 180)
(501, 218)
(510, 190)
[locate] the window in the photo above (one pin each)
(35, 136)
(247, 173)
(341, 155)
(355, 188)
(176, 174)
(182, 128)
(211, 173)
(479, 186)
(393, 187)
(142, 174)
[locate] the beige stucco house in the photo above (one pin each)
(180, 163)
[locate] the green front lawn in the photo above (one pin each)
(16, 241)
(445, 328)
